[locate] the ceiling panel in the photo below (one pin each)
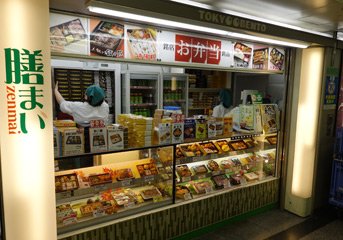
(315, 15)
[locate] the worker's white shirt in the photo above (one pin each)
(83, 112)
(221, 111)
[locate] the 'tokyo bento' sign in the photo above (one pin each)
(24, 78)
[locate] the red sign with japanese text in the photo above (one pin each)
(197, 50)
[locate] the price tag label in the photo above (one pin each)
(129, 205)
(243, 181)
(99, 188)
(196, 159)
(208, 190)
(187, 196)
(226, 183)
(149, 178)
(186, 179)
(69, 220)
(126, 183)
(99, 212)
(66, 194)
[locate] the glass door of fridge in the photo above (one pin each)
(175, 91)
(140, 93)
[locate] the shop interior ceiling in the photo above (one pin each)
(324, 16)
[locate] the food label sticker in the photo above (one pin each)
(226, 183)
(243, 181)
(100, 188)
(126, 183)
(216, 173)
(99, 212)
(157, 199)
(196, 159)
(187, 196)
(129, 205)
(186, 179)
(149, 178)
(69, 220)
(208, 190)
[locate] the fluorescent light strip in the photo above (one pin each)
(158, 21)
(238, 14)
(187, 26)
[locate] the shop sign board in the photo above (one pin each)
(331, 86)
(115, 39)
(24, 79)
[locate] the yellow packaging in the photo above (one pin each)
(64, 123)
(227, 126)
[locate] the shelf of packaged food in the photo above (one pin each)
(142, 87)
(174, 100)
(188, 193)
(203, 89)
(131, 210)
(81, 193)
(143, 105)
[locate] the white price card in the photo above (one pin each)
(69, 220)
(61, 195)
(226, 183)
(129, 205)
(99, 212)
(126, 183)
(149, 178)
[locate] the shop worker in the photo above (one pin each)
(225, 105)
(94, 107)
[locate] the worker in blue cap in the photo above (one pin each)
(225, 105)
(94, 107)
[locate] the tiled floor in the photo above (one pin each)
(282, 225)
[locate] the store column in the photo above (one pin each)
(27, 166)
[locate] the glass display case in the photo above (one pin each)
(115, 185)
(126, 182)
(206, 167)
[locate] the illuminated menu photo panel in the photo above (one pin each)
(115, 39)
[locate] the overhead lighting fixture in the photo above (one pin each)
(180, 25)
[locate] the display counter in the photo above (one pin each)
(127, 184)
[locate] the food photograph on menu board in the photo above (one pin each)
(260, 57)
(66, 33)
(276, 59)
(242, 55)
(141, 43)
(106, 39)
